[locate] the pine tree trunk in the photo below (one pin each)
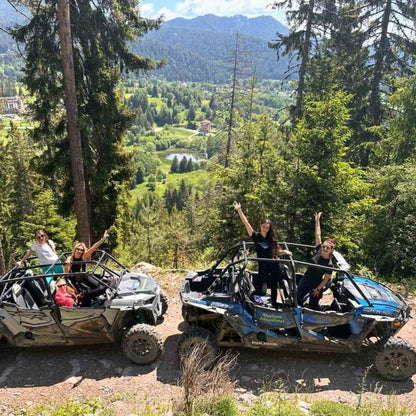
(375, 102)
(304, 61)
(71, 105)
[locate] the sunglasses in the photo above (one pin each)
(62, 285)
(81, 250)
(41, 236)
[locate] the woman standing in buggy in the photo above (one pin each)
(315, 279)
(44, 248)
(267, 247)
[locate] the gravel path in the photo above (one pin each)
(33, 376)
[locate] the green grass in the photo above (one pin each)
(158, 101)
(269, 404)
(173, 180)
(327, 408)
(275, 408)
(71, 408)
(182, 134)
(21, 125)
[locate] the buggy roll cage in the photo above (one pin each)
(18, 274)
(242, 248)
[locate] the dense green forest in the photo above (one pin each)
(343, 144)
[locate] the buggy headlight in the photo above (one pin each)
(397, 323)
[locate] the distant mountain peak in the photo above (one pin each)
(263, 27)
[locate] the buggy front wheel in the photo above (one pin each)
(142, 344)
(395, 359)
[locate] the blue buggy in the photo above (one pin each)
(225, 309)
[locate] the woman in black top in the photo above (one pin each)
(81, 253)
(314, 279)
(75, 264)
(267, 248)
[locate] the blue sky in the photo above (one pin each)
(192, 8)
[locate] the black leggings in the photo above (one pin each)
(270, 274)
(90, 295)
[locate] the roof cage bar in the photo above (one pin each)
(293, 280)
(318, 266)
(99, 261)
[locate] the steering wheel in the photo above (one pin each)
(109, 294)
(104, 275)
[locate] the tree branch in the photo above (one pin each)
(17, 10)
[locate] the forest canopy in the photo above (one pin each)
(344, 144)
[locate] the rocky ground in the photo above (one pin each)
(32, 376)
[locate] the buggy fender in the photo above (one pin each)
(213, 307)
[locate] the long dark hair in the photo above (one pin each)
(271, 235)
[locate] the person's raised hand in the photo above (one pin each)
(317, 215)
(106, 235)
(237, 205)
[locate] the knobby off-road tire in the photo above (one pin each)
(199, 336)
(142, 344)
(164, 302)
(395, 359)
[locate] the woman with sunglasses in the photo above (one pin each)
(45, 250)
(315, 278)
(76, 263)
(81, 253)
(66, 295)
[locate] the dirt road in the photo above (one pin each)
(29, 377)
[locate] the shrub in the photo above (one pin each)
(214, 406)
(201, 385)
(275, 408)
(327, 408)
(71, 408)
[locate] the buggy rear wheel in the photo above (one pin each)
(142, 344)
(395, 359)
(194, 337)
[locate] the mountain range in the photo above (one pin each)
(201, 49)
(198, 49)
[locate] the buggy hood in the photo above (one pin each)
(384, 300)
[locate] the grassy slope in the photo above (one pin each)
(194, 178)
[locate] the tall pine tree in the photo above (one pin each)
(101, 35)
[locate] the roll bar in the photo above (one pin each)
(243, 246)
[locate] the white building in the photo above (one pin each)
(12, 105)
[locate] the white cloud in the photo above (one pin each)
(167, 14)
(147, 9)
(192, 8)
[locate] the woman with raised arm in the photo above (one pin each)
(44, 248)
(315, 278)
(267, 247)
(75, 263)
(80, 254)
